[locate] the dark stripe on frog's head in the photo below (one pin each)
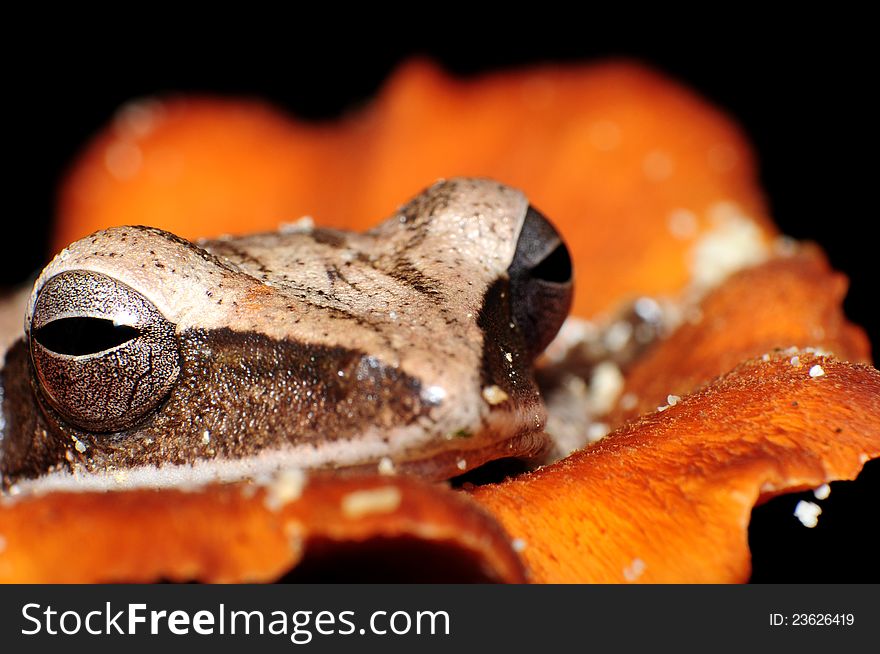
(239, 394)
(504, 349)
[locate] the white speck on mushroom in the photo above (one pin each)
(606, 384)
(284, 488)
(461, 464)
(494, 395)
(123, 159)
(634, 570)
(386, 466)
(597, 431)
(617, 336)
(375, 500)
(765, 357)
(734, 242)
(672, 400)
(138, 118)
(722, 157)
(694, 315)
(78, 445)
(629, 401)
(817, 371)
(795, 361)
(682, 224)
(808, 513)
(648, 309)
(822, 492)
(508, 356)
(294, 534)
(302, 224)
(206, 437)
(663, 408)
(657, 166)
(518, 544)
(604, 135)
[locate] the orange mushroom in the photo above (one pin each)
(251, 533)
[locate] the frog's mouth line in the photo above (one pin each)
(266, 465)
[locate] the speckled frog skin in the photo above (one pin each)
(407, 347)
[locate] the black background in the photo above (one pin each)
(800, 89)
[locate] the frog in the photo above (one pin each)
(147, 359)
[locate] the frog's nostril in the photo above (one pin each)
(83, 336)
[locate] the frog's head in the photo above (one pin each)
(408, 347)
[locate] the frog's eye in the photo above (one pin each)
(540, 281)
(104, 356)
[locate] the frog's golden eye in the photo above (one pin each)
(104, 356)
(541, 283)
